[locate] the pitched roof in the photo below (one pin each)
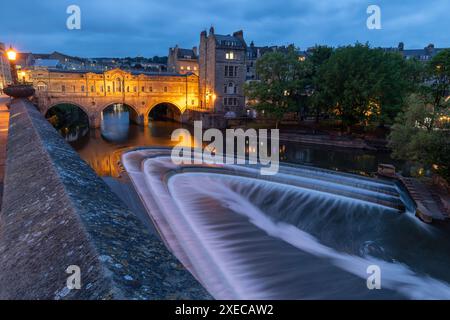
(186, 54)
(229, 41)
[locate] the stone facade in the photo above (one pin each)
(5, 69)
(183, 61)
(222, 71)
(93, 92)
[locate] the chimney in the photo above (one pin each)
(429, 49)
(239, 34)
(211, 30)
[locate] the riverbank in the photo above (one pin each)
(327, 140)
(322, 135)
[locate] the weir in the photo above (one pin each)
(305, 233)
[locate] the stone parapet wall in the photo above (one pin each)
(58, 213)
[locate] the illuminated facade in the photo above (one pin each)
(93, 92)
(223, 69)
(5, 69)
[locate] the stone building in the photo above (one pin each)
(183, 61)
(5, 69)
(222, 63)
(93, 92)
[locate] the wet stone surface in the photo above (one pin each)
(57, 212)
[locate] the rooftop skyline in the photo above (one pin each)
(148, 28)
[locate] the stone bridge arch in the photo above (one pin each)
(136, 114)
(94, 106)
(89, 113)
(174, 106)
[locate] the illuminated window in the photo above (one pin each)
(182, 67)
(188, 67)
(229, 55)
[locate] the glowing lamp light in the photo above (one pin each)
(12, 55)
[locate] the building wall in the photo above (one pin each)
(214, 79)
(207, 71)
(95, 91)
(182, 65)
(5, 70)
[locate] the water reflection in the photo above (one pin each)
(102, 148)
(69, 120)
(115, 124)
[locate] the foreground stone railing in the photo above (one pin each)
(58, 213)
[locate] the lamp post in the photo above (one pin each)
(12, 56)
(16, 90)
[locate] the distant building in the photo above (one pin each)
(183, 61)
(5, 69)
(223, 71)
(424, 55)
(46, 63)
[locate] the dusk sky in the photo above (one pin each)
(149, 27)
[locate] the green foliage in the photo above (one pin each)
(360, 84)
(416, 137)
(283, 83)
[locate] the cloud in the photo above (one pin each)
(149, 27)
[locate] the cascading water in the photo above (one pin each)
(303, 234)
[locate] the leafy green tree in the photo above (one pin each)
(417, 138)
(362, 84)
(283, 80)
(318, 101)
(422, 132)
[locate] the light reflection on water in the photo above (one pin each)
(102, 148)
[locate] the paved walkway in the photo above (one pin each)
(4, 122)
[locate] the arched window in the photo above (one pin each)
(42, 86)
(119, 85)
(232, 89)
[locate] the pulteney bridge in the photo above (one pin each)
(173, 95)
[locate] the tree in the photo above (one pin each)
(283, 83)
(417, 138)
(318, 102)
(362, 84)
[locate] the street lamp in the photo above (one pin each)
(12, 56)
